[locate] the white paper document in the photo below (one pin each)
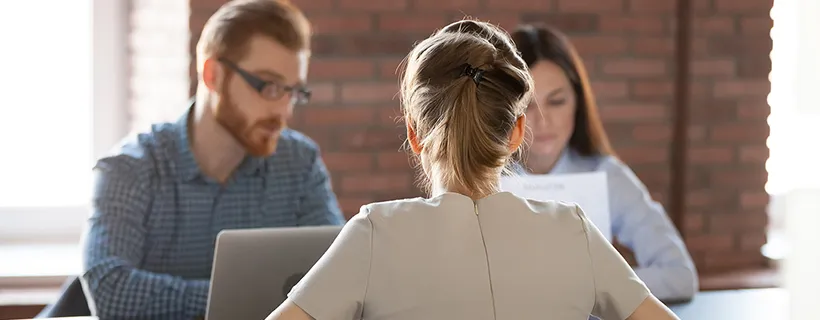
(588, 190)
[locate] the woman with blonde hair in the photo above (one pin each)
(469, 251)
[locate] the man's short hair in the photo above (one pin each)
(227, 31)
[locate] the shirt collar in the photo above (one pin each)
(188, 169)
(564, 160)
(561, 166)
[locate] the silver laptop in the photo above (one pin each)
(254, 269)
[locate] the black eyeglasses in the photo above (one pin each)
(271, 90)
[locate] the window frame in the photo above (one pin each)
(110, 28)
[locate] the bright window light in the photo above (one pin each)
(47, 104)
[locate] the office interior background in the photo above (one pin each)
(697, 97)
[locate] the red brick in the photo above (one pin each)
(754, 154)
(609, 89)
(751, 199)
(711, 111)
(699, 198)
(699, 47)
(506, 20)
(643, 155)
(756, 109)
(711, 155)
(348, 161)
(702, 6)
(692, 222)
(372, 139)
(323, 137)
(712, 67)
(590, 5)
(569, 23)
(620, 25)
(700, 89)
(659, 196)
(738, 46)
(201, 5)
(710, 243)
(732, 261)
(749, 220)
(633, 112)
(752, 240)
(376, 182)
(389, 68)
(655, 176)
(739, 132)
(369, 5)
(599, 45)
(739, 178)
(653, 46)
(697, 177)
(519, 5)
(363, 45)
(322, 93)
(394, 160)
(652, 132)
(713, 25)
(743, 6)
(757, 67)
(411, 22)
(652, 89)
(351, 205)
(635, 67)
(741, 88)
(341, 69)
(338, 116)
(311, 5)
(391, 115)
(369, 92)
(341, 24)
(435, 5)
(758, 26)
(696, 133)
(652, 6)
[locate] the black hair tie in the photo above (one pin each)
(475, 73)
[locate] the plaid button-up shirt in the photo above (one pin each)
(149, 246)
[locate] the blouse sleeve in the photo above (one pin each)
(335, 286)
(618, 291)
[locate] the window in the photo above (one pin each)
(793, 124)
(63, 106)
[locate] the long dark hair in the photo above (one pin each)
(541, 42)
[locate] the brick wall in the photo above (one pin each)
(725, 198)
(629, 47)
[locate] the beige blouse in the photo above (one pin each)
(448, 257)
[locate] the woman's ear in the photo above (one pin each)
(412, 138)
(518, 133)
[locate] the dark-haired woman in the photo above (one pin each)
(568, 137)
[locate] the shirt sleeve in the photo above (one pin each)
(618, 290)
(113, 248)
(642, 225)
(335, 286)
(319, 205)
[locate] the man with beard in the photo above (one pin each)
(229, 162)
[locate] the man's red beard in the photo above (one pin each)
(230, 117)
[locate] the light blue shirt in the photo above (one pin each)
(642, 225)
